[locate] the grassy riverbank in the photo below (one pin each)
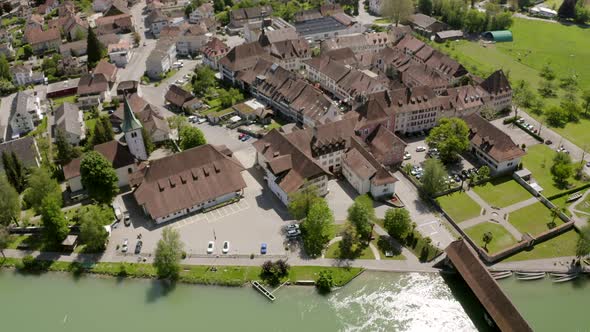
(222, 275)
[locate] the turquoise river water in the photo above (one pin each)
(372, 302)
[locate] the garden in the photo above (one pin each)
(459, 206)
(534, 219)
(559, 246)
(502, 192)
(500, 239)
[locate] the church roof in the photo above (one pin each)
(130, 122)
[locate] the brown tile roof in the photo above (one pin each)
(107, 69)
(359, 165)
(215, 47)
(445, 65)
(24, 148)
(410, 44)
(380, 176)
(244, 56)
(413, 99)
(303, 167)
(91, 84)
(38, 36)
(177, 96)
(290, 49)
(485, 288)
(382, 141)
(67, 118)
(116, 153)
(497, 83)
(490, 139)
(465, 97)
(185, 179)
(421, 20)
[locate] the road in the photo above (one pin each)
(365, 18)
(5, 107)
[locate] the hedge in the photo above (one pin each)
(535, 136)
(568, 192)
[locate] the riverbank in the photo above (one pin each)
(205, 275)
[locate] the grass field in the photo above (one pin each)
(459, 206)
(333, 251)
(382, 244)
(502, 239)
(538, 160)
(560, 246)
(533, 219)
(502, 192)
(584, 206)
(535, 44)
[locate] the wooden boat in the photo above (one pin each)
(567, 278)
(501, 274)
(530, 275)
(573, 197)
(536, 277)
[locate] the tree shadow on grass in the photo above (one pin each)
(159, 288)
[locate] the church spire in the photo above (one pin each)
(130, 122)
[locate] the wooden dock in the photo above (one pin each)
(263, 290)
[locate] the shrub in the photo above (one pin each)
(272, 272)
(29, 263)
(325, 282)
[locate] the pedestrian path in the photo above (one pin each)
(498, 217)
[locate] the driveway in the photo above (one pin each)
(5, 107)
(518, 135)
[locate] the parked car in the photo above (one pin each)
(225, 248)
(407, 156)
(192, 119)
(293, 233)
(263, 248)
(420, 149)
(241, 135)
(245, 138)
(126, 218)
(118, 214)
(548, 142)
(138, 247)
(210, 247)
(125, 245)
(588, 164)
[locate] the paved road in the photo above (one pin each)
(155, 94)
(5, 107)
(364, 17)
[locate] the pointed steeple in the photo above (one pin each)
(130, 122)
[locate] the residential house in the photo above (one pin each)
(192, 39)
(42, 41)
(177, 96)
(187, 182)
(116, 154)
(93, 89)
(69, 119)
(160, 60)
(241, 58)
(24, 75)
(213, 51)
(47, 7)
(75, 27)
(287, 165)
(120, 53)
(492, 146)
(426, 25)
(25, 149)
(204, 11)
(63, 88)
(75, 49)
(122, 23)
(116, 7)
(100, 6)
(290, 54)
(151, 119)
(7, 50)
(108, 70)
(26, 113)
(157, 20)
(274, 29)
(128, 87)
(238, 18)
(496, 91)
(367, 42)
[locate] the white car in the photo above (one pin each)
(225, 248)
(118, 213)
(407, 156)
(125, 245)
(420, 149)
(210, 247)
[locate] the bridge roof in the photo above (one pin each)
(485, 287)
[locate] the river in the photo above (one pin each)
(372, 302)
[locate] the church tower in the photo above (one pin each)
(133, 133)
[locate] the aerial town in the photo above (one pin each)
(299, 142)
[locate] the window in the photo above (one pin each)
(129, 170)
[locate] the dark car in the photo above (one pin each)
(126, 218)
(548, 142)
(138, 247)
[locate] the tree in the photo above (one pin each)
(147, 141)
(94, 49)
(230, 97)
(4, 68)
(316, 227)
(350, 243)
(547, 72)
(4, 239)
(450, 137)
(136, 38)
(397, 223)
(583, 244)
(272, 272)
(92, 231)
(27, 52)
(556, 116)
(9, 202)
(55, 225)
(567, 9)
(99, 177)
(361, 215)
(487, 238)
(433, 180)
(218, 6)
(191, 137)
(301, 201)
(65, 151)
(325, 282)
(204, 80)
(425, 7)
(15, 171)
(569, 83)
(40, 186)
(483, 173)
(547, 89)
(562, 168)
(582, 13)
(572, 109)
(168, 254)
(177, 122)
(586, 101)
(397, 10)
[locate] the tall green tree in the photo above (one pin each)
(191, 137)
(425, 7)
(103, 131)
(218, 6)
(99, 177)
(204, 80)
(316, 228)
(4, 239)
(572, 109)
(65, 150)
(398, 223)
(351, 242)
(147, 141)
(4, 68)
(487, 238)
(556, 116)
(562, 169)
(301, 201)
(586, 101)
(41, 185)
(450, 137)
(567, 9)
(361, 215)
(168, 254)
(27, 52)
(397, 10)
(583, 244)
(94, 49)
(55, 225)
(325, 282)
(15, 171)
(92, 231)
(9, 203)
(433, 180)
